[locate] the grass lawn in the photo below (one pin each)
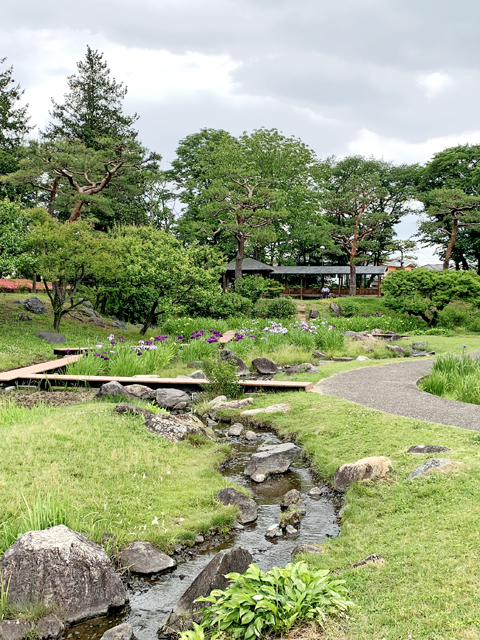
(115, 475)
(428, 530)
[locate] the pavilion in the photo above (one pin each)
(308, 276)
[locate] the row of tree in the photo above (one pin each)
(261, 194)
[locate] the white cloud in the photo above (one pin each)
(434, 83)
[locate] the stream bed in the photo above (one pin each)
(151, 600)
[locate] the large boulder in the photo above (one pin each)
(229, 356)
(97, 321)
(434, 463)
(313, 314)
(140, 391)
(51, 337)
(236, 429)
(119, 324)
(176, 428)
(34, 305)
(172, 399)
(336, 309)
(247, 507)
(113, 388)
(271, 459)
(319, 354)
(60, 568)
(198, 375)
(427, 448)
(24, 317)
(143, 558)
(373, 468)
(274, 408)
(265, 366)
(234, 560)
(232, 404)
(120, 632)
(398, 350)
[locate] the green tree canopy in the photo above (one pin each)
(14, 247)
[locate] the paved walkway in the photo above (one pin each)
(393, 388)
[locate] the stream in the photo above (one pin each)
(151, 600)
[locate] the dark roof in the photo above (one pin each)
(249, 264)
(330, 271)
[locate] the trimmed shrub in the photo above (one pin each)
(251, 287)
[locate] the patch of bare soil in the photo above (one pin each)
(301, 311)
(30, 399)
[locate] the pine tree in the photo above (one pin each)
(93, 106)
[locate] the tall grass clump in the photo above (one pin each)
(453, 377)
(222, 377)
(329, 339)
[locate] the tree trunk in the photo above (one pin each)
(149, 320)
(76, 211)
(353, 278)
(34, 283)
(464, 262)
(451, 244)
(239, 260)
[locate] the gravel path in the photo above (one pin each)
(393, 388)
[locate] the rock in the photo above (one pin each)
(88, 311)
(305, 548)
(176, 428)
(51, 337)
(251, 436)
(265, 366)
(319, 354)
(363, 358)
(305, 367)
(274, 408)
(212, 577)
(236, 429)
(120, 632)
(61, 568)
(125, 407)
(398, 350)
(15, 629)
(371, 559)
(366, 315)
(97, 321)
(274, 531)
(86, 303)
(342, 359)
(373, 468)
(211, 423)
(336, 309)
(367, 349)
(377, 314)
(313, 315)
(353, 335)
(199, 539)
(291, 531)
(139, 326)
(198, 375)
(49, 627)
(271, 459)
(140, 391)
(233, 404)
(237, 526)
(247, 507)
(113, 388)
(217, 400)
(291, 497)
(376, 332)
(434, 463)
(394, 337)
(420, 345)
(34, 305)
(119, 324)
(143, 558)
(172, 399)
(315, 492)
(24, 317)
(227, 355)
(291, 517)
(427, 448)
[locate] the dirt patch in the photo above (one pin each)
(301, 311)
(30, 399)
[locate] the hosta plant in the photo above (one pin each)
(260, 604)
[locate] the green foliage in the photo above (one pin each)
(350, 307)
(229, 304)
(454, 377)
(258, 603)
(223, 379)
(280, 308)
(452, 317)
(196, 633)
(14, 222)
(13, 119)
(251, 287)
(273, 288)
(425, 293)
(329, 339)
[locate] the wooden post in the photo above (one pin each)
(340, 286)
(379, 284)
(301, 288)
(323, 280)
(228, 282)
(286, 284)
(224, 283)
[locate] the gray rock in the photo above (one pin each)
(434, 463)
(271, 459)
(427, 448)
(51, 337)
(291, 531)
(199, 539)
(237, 526)
(377, 314)
(194, 364)
(234, 560)
(86, 303)
(210, 422)
(217, 400)
(265, 366)
(139, 326)
(113, 388)
(119, 324)
(366, 315)
(228, 355)
(363, 358)
(176, 427)
(305, 548)
(172, 398)
(336, 309)
(274, 531)
(232, 404)
(236, 429)
(342, 359)
(291, 497)
(15, 629)
(313, 315)
(198, 375)
(371, 559)
(251, 436)
(49, 627)
(24, 317)
(292, 517)
(125, 407)
(398, 350)
(394, 337)
(97, 321)
(420, 345)
(143, 558)
(61, 568)
(305, 367)
(352, 335)
(372, 468)
(88, 311)
(140, 391)
(247, 507)
(319, 354)
(34, 305)
(315, 492)
(120, 632)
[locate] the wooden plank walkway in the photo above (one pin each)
(14, 374)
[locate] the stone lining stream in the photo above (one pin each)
(151, 600)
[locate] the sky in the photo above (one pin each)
(397, 79)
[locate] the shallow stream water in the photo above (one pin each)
(151, 600)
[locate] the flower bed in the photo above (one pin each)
(8, 285)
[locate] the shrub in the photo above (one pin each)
(230, 304)
(257, 603)
(251, 287)
(222, 376)
(276, 308)
(452, 317)
(350, 307)
(273, 289)
(473, 323)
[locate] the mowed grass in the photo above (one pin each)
(113, 474)
(428, 530)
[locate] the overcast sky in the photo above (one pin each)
(398, 79)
